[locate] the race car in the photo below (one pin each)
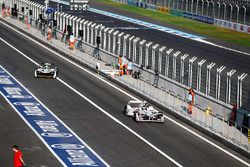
(141, 111)
(132, 106)
(148, 114)
(46, 70)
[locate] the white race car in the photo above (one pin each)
(132, 106)
(141, 111)
(148, 114)
(48, 70)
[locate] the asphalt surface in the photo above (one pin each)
(117, 146)
(220, 56)
(230, 59)
(14, 131)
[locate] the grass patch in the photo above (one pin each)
(203, 29)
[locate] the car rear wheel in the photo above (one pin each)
(124, 110)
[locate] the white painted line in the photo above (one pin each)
(37, 134)
(71, 131)
(96, 106)
(164, 29)
(222, 47)
(129, 95)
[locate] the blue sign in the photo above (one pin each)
(68, 148)
(50, 10)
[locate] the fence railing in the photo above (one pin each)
(219, 83)
(207, 119)
(229, 130)
(233, 11)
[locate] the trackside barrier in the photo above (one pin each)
(112, 43)
(219, 14)
(172, 65)
(228, 130)
(147, 55)
(192, 16)
(232, 25)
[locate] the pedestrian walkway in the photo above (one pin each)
(165, 97)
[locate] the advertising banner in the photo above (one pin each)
(232, 25)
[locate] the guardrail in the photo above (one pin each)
(226, 10)
(230, 16)
(178, 70)
(166, 92)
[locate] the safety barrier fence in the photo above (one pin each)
(145, 5)
(229, 130)
(229, 16)
(216, 83)
(233, 12)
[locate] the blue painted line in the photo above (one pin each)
(67, 147)
(143, 23)
(150, 25)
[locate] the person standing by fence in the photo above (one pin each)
(191, 96)
(18, 157)
(49, 34)
(3, 9)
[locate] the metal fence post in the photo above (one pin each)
(92, 33)
(231, 12)
(213, 10)
(85, 30)
(161, 50)
(61, 21)
(148, 45)
(140, 51)
(202, 7)
(120, 43)
(75, 28)
(190, 70)
(174, 64)
(115, 43)
(130, 47)
(168, 52)
(81, 27)
(89, 32)
(207, 7)
(218, 10)
(218, 81)
(199, 69)
(186, 5)
(71, 22)
(97, 33)
(153, 55)
(228, 90)
(225, 11)
(244, 16)
(239, 89)
(192, 3)
(67, 19)
(182, 67)
(109, 40)
(237, 13)
(101, 34)
(135, 49)
(209, 67)
(125, 40)
(105, 38)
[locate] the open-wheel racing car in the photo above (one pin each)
(46, 70)
(141, 111)
(132, 106)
